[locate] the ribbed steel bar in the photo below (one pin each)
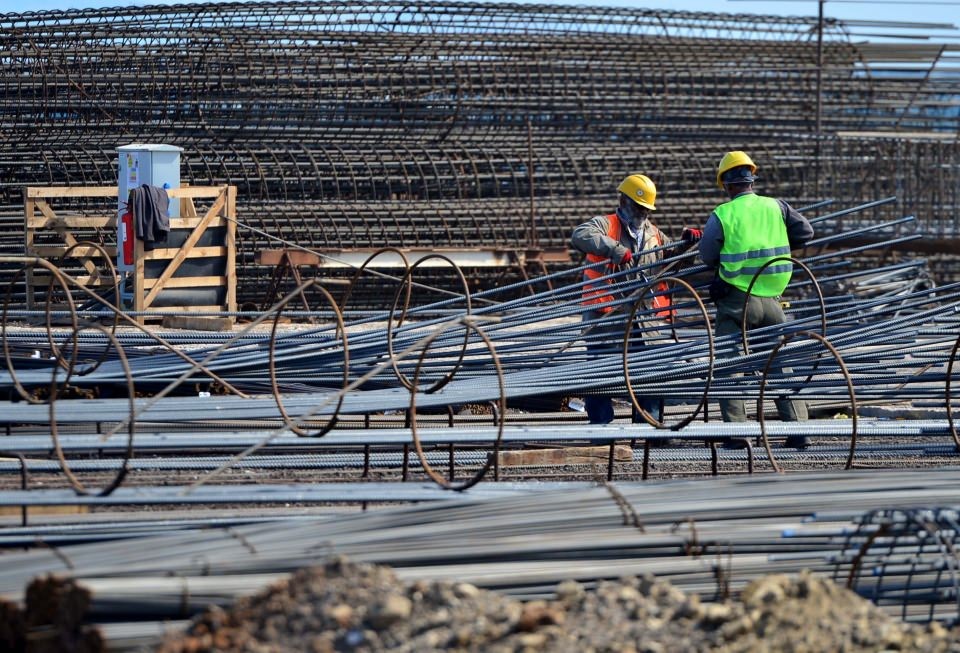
(929, 444)
(487, 208)
(531, 375)
(360, 125)
(524, 539)
(644, 358)
(932, 432)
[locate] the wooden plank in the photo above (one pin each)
(29, 209)
(73, 222)
(188, 209)
(169, 253)
(187, 282)
(197, 191)
(38, 511)
(57, 251)
(46, 209)
(565, 456)
(295, 256)
(470, 257)
(71, 191)
(67, 237)
(138, 301)
(111, 191)
(198, 323)
(184, 309)
(550, 255)
(191, 223)
(218, 205)
(77, 253)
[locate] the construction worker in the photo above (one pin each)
(626, 237)
(739, 237)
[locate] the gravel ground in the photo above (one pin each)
(347, 606)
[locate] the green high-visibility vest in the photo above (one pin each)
(754, 232)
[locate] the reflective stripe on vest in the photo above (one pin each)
(597, 294)
(754, 232)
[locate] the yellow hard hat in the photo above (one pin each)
(641, 189)
(733, 160)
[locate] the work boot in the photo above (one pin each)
(653, 406)
(599, 409)
(797, 442)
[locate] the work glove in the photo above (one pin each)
(626, 258)
(691, 235)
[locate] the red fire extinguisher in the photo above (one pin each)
(126, 237)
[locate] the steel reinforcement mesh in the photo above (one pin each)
(369, 72)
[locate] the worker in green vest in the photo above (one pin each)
(739, 237)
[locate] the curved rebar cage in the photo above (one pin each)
(905, 557)
(435, 71)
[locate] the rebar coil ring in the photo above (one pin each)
(274, 385)
(500, 412)
(846, 375)
(626, 359)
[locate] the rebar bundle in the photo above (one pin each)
(853, 337)
(709, 539)
(468, 197)
(451, 348)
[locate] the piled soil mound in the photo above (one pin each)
(344, 606)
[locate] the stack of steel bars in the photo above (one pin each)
(538, 341)
(709, 538)
(889, 332)
(853, 338)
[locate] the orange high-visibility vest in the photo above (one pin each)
(596, 295)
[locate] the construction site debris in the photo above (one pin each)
(349, 606)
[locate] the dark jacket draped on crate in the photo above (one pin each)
(151, 221)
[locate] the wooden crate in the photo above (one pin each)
(155, 270)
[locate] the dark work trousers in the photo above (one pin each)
(761, 312)
(600, 408)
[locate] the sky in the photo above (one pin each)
(943, 12)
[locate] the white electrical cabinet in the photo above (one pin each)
(139, 164)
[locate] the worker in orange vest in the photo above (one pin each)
(626, 237)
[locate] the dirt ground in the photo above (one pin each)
(346, 606)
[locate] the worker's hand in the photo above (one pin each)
(626, 258)
(691, 235)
